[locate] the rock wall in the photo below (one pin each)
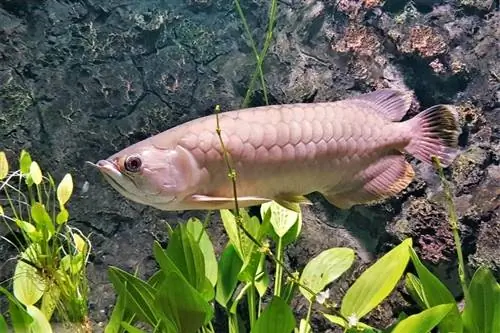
(80, 80)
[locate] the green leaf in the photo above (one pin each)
(229, 266)
(64, 189)
(117, 316)
(21, 320)
(25, 162)
(336, 320)
(195, 227)
(183, 304)
(3, 323)
(36, 173)
(40, 323)
(435, 294)
(42, 219)
(277, 317)
(243, 245)
(416, 290)
(324, 269)
(4, 166)
(424, 321)
(186, 255)
(131, 329)
(482, 308)
(376, 283)
(281, 218)
(140, 296)
(28, 285)
(62, 216)
(49, 300)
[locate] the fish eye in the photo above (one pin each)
(133, 163)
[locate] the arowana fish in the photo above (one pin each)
(351, 151)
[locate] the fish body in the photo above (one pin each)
(351, 151)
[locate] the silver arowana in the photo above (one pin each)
(351, 151)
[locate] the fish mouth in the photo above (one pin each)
(110, 170)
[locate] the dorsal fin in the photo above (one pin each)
(391, 103)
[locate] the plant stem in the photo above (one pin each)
(308, 317)
(279, 270)
(239, 222)
(454, 226)
(251, 305)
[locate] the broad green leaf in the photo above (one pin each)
(28, 285)
(183, 304)
(140, 296)
(80, 243)
(4, 165)
(416, 290)
(376, 283)
(241, 242)
(1, 211)
(64, 189)
(62, 216)
(424, 321)
(436, 293)
(42, 219)
(281, 218)
(24, 162)
(336, 320)
(36, 173)
(20, 319)
(195, 227)
(324, 269)
(40, 323)
(185, 253)
(482, 308)
(229, 266)
(25, 226)
(277, 317)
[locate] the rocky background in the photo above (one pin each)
(80, 80)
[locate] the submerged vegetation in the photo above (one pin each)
(49, 279)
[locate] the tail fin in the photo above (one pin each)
(435, 132)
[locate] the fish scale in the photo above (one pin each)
(351, 151)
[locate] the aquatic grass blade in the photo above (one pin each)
(376, 283)
(482, 308)
(436, 293)
(325, 268)
(424, 321)
(277, 317)
(117, 315)
(131, 329)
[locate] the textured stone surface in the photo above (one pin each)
(81, 80)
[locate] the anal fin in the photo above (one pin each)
(382, 179)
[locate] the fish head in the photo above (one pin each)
(149, 175)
